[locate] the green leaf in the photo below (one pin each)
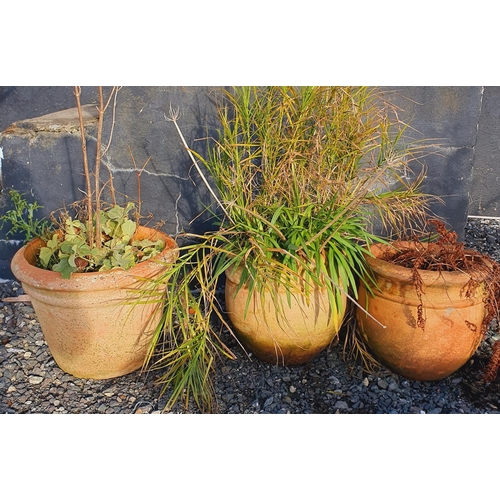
(128, 229)
(124, 260)
(64, 267)
(47, 252)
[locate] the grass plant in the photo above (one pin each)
(303, 177)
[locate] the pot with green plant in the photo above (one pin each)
(302, 175)
(89, 273)
(431, 306)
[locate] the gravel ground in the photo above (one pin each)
(31, 382)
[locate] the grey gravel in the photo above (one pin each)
(31, 382)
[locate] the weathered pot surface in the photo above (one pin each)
(294, 334)
(96, 324)
(453, 326)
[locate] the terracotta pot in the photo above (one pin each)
(294, 334)
(453, 322)
(91, 322)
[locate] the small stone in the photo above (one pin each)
(39, 342)
(382, 384)
(15, 350)
(11, 389)
(435, 411)
(292, 389)
(269, 401)
(35, 379)
(366, 382)
(27, 355)
(341, 405)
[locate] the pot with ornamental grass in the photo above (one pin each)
(89, 274)
(431, 306)
(301, 176)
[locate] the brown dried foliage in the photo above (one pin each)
(446, 253)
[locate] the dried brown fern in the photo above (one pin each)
(443, 252)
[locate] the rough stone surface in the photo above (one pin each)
(484, 195)
(34, 384)
(447, 117)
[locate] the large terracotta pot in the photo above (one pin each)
(291, 335)
(453, 322)
(93, 323)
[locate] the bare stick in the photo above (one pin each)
(98, 236)
(19, 298)
(78, 91)
(138, 177)
(174, 115)
(114, 95)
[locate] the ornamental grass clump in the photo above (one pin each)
(305, 178)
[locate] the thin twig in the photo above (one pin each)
(138, 173)
(19, 298)
(114, 94)
(174, 115)
(78, 91)
(98, 236)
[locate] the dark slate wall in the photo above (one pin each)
(36, 159)
(448, 118)
(485, 190)
(21, 103)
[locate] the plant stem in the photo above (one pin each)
(98, 236)
(78, 91)
(138, 174)
(173, 118)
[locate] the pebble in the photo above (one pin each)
(34, 383)
(35, 379)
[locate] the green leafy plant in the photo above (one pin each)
(68, 250)
(303, 178)
(95, 236)
(22, 218)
